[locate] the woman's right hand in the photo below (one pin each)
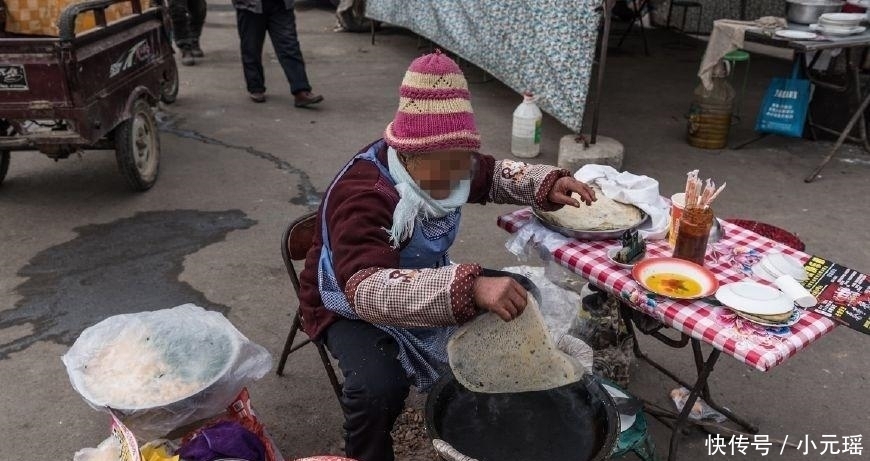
(502, 296)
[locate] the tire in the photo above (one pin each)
(4, 164)
(169, 87)
(137, 147)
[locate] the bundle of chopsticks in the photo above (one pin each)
(698, 194)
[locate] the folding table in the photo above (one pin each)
(697, 321)
(856, 48)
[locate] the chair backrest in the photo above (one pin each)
(297, 240)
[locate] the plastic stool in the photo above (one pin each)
(732, 59)
(777, 234)
(685, 5)
(636, 438)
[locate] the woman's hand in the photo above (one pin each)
(564, 186)
(502, 296)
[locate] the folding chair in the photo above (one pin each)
(295, 243)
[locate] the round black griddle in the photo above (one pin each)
(575, 422)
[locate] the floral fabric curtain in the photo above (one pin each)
(547, 47)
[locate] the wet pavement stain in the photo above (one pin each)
(129, 265)
(308, 194)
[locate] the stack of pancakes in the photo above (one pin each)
(772, 319)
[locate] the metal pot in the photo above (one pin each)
(808, 11)
(575, 422)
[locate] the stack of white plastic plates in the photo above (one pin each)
(774, 265)
(795, 34)
(841, 19)
(840, 23)
(758, 303)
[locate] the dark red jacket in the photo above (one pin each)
(360, 207)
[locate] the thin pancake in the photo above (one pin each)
(493, 356)
(604, 214)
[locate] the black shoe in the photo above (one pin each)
(196, 51)
(187, 57)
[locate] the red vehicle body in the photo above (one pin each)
(91, 90)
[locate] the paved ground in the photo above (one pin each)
(78, 246)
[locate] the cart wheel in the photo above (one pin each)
(137, 147)
(4, 164)
(169, 87)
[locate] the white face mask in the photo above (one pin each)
(415, 203)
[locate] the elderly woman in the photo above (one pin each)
(378, 287)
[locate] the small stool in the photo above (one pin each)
(732, 59)
(636, 438)
(685, 5)
(777, 234)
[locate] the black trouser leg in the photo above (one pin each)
(197, 10)
(374, 390)
(181, 32)
(252, 33)
(282, 32)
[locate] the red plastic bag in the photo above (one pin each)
(241, 411)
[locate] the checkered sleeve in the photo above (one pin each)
(520, 183)
(414, 297)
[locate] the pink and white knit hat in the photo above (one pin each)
(434, 108)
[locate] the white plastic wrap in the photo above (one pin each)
(161, 370)
(700, 410)
(558, 306)
(533, 237)
(640, 191)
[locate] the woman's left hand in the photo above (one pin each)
(564, 186)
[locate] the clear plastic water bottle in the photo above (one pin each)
(526, 129)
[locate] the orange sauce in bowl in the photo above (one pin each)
(676, 285)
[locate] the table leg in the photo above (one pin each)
(643, 6)
(626, 32)
(855, 117)
(694, 393)
(855, 65)
(705, 393)
(701, 387)
(750, 141)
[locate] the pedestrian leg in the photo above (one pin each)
(181, 32)
(178, 14)
(197, 10)
(282, 32)
(252, 33)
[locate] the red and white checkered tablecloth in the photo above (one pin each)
(729, 260)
